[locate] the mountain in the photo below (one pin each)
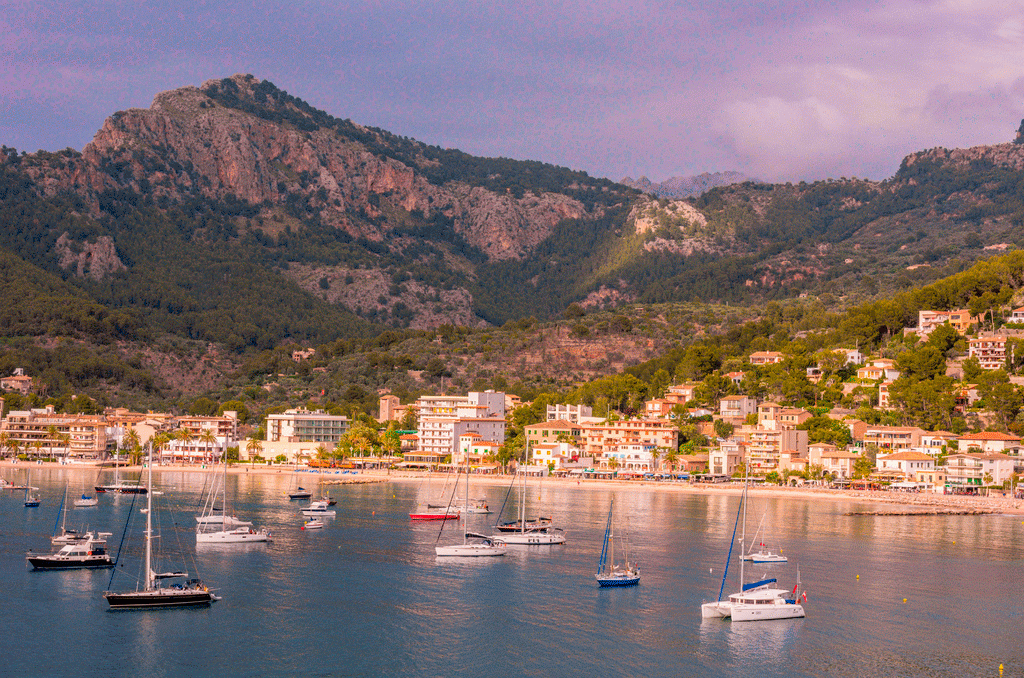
(685, 187)
(235, 215)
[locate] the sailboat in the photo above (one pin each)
(86, 500)
(31, 500)
(435, 511)
(225, 529)
(756, 601)
(763, 555)
(153, 593)
(119, 487)
(608, 573)
(486, 546)
(529, 532)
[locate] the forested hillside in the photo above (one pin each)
(233, 218)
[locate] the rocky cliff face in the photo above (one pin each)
(187, 143)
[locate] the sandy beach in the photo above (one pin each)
(890, 502)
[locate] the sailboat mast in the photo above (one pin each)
(743, 533)
(610, 566)
(149, 521)
(465, 507)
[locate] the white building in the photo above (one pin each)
(442, 419)
(907, 462)
(570, 413)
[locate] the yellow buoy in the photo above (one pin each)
(904, 600)
(858, 577)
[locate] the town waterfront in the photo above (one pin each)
(366, 596)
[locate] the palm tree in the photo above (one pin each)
(209, 440)
(185, 436)
(5, 442)
(158, 441)
(38, 447)
(655, 454)
(52, 434)
(253, 447)
(132, 442)
(670, 458)
(65, 441)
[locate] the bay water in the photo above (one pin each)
(365, 596)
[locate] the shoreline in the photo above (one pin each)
(925, 503)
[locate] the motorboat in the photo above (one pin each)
(89, 553)
(312, 524)
(319, 509)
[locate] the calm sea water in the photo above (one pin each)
(366, 597)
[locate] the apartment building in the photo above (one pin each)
(967, 470)
(907, 462)
(885, 437)
(989, 441)
(961, 320)
(442, 419)
(679, 394)
(41, 432)
(725, 460)
(736, 407)
(552, 431)
(766, 445)
(301, 425)
(603, 438)
(833, 460)
(990, 350)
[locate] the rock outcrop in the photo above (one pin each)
(188, 143)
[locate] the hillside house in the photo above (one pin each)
(766, 357)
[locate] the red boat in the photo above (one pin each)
(436, 514)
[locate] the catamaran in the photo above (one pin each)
(756, 601)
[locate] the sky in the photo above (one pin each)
(788, 90)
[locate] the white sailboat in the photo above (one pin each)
(608, 573)
(153, 594)
(756, 601)
(483, 547)
(764, 555)
(529, 532)
(229, 529)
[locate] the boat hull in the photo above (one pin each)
(469, 551)
(746, 613)
(49, 563)
(530, 538)
(433, 516)
(240, 536)
(608, 581)
(158, 598)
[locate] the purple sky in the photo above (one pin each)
(781, 91)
